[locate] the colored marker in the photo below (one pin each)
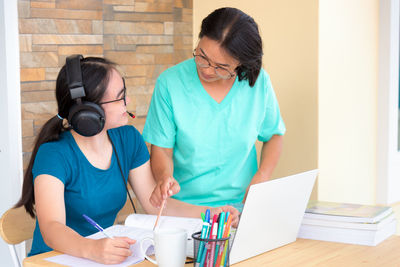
(204, 232)
(219, 235)
(206, 253)
(214, 232)
(224, 257)
(206, 249)
(223, 246)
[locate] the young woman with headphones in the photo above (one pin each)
(81, 164)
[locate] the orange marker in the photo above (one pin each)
(226, 233)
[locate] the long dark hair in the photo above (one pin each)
(238, 33)
(95, 76)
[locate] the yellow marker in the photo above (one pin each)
(222, 251)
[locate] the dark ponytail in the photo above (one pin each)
(50, 132)
(95, 75)
(238, 33)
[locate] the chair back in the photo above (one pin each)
(16, 226)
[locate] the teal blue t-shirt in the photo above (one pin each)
(98, 193)
(213, 143)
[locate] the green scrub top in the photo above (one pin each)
(213, 143)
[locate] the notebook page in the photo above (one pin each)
(146, 221)
(115, 230)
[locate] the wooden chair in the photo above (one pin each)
(16, 226)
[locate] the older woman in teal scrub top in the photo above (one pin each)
(207, 112)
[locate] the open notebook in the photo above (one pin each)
(137, 226)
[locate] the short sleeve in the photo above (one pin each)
(140, 152)
(49, 160)
(273, 123)
(160, 128)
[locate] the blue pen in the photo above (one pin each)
(204, 233)
(96, 225)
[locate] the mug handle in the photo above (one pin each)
(144, 253)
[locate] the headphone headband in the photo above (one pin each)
(74, 76)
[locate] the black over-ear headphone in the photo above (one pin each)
(86, 118)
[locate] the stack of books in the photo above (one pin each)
(348, 223)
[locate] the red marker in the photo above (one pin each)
(213, 235)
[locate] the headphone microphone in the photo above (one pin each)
(131, 114)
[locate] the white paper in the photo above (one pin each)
(115, 230)
(145, 221)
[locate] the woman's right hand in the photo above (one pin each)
(111, 251)
(164, 189)
(235, 213)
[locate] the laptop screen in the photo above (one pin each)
(272, 215)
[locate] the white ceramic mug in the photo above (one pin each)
(170, 247)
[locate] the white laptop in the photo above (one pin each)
(272, 215)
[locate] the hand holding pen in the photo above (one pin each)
(96, 225)
(110, 250)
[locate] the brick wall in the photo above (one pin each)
(144, 37)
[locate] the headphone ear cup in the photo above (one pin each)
(86, 119)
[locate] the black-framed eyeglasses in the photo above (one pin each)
(203, 62)
(119, 99)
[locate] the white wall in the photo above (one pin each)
(347, 103)
(10, 115)
(388, 161)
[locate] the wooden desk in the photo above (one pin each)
(303, 252)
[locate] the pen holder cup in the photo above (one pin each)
(203, 248)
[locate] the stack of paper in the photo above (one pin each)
(348, 223)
